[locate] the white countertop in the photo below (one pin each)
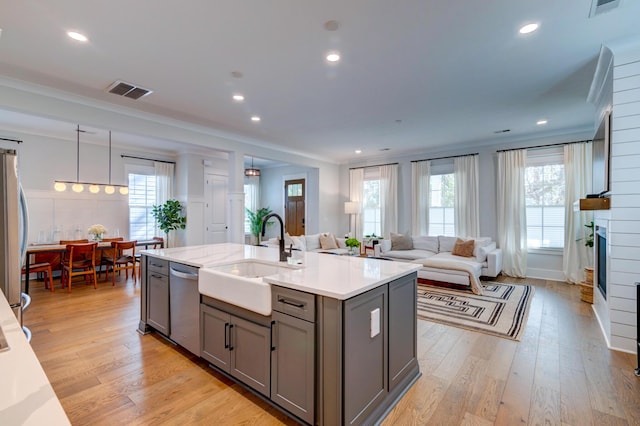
(26, 396)
(339, 277)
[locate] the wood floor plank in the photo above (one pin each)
(105, 373)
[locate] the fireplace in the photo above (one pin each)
(600, 269)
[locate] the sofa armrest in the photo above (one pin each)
(494, 263)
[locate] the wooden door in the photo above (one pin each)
(216, 208)
(294, 193)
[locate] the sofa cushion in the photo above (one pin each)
(328, 241)
(481, 241)
(299, 243)
(401, 242)
(470, 260)
(481, 253)
(312, 242)
(463, 248)
(412, 254)
(446, 243)
(425, 243)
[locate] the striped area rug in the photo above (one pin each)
(502, 310)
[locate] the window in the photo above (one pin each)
(294, 190)
(371, 208)
(544, 189)
(250, 201)
(142, 197)
(441, 205)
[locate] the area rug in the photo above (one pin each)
(501, 311)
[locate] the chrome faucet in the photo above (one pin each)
(283, 253)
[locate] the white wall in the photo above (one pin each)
(624, 224)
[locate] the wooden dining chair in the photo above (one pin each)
(159, 243)
(106, 255)
(79, 260)
(45, 269)
(123, 259)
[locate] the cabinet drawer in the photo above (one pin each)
(293, 302)
(157, 265)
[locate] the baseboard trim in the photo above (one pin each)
(545, 274)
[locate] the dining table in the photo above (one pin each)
(34, 249)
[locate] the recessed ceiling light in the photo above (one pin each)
(529, 28)
(238, 97)
(358, 151)
(331, 25)
(541, 122)
(333, 57)
(255, 118)
(77, 36)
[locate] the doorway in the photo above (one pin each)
(215, 208)
(294, 206)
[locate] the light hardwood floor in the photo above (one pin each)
(561, 372)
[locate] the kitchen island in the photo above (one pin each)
(327, 339)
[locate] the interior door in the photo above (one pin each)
(294, 206)
(215, 208)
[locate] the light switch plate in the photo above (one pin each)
(375, 322)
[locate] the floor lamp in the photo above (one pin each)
(351, 208)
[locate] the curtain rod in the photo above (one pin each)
(444, 158)
(375, 165)
(10, 140)
(148, 159)
(544, 146)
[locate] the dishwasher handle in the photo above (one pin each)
(185, 275)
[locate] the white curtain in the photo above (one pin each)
(389, 199)
(356, 188)
(164, 184)
(511, 212)
(420, 174)
(466, 201)
(577, 177)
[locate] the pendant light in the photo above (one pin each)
(94, 188)
(252, 171)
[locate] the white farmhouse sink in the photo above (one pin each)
(240, 283)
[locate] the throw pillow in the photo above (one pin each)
(401, 242)
(463, 248)
(328, 241)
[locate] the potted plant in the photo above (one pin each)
(352, 243)
(169, 217)
(255, 222)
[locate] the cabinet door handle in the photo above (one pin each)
(230, 334)
(226, 344)
(291, 302)
(273, 325)
(157, 276)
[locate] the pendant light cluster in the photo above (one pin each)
(94, 188)
(251, 171)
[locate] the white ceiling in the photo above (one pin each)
(415, 75)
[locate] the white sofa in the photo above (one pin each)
(311, 243)
(486, 260)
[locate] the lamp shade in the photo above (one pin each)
(351, 207)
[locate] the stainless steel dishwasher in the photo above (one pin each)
(184, 306)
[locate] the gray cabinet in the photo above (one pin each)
(365, 354)
(293, 357)
(403, 327)
(236, 346)
(158, 295)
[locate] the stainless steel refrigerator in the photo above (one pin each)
(13, 233)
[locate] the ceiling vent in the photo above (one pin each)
(602, 6)
(128, 90)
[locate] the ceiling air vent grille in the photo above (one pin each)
(128, 90)
(602, 6)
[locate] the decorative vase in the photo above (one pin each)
(97, 237)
